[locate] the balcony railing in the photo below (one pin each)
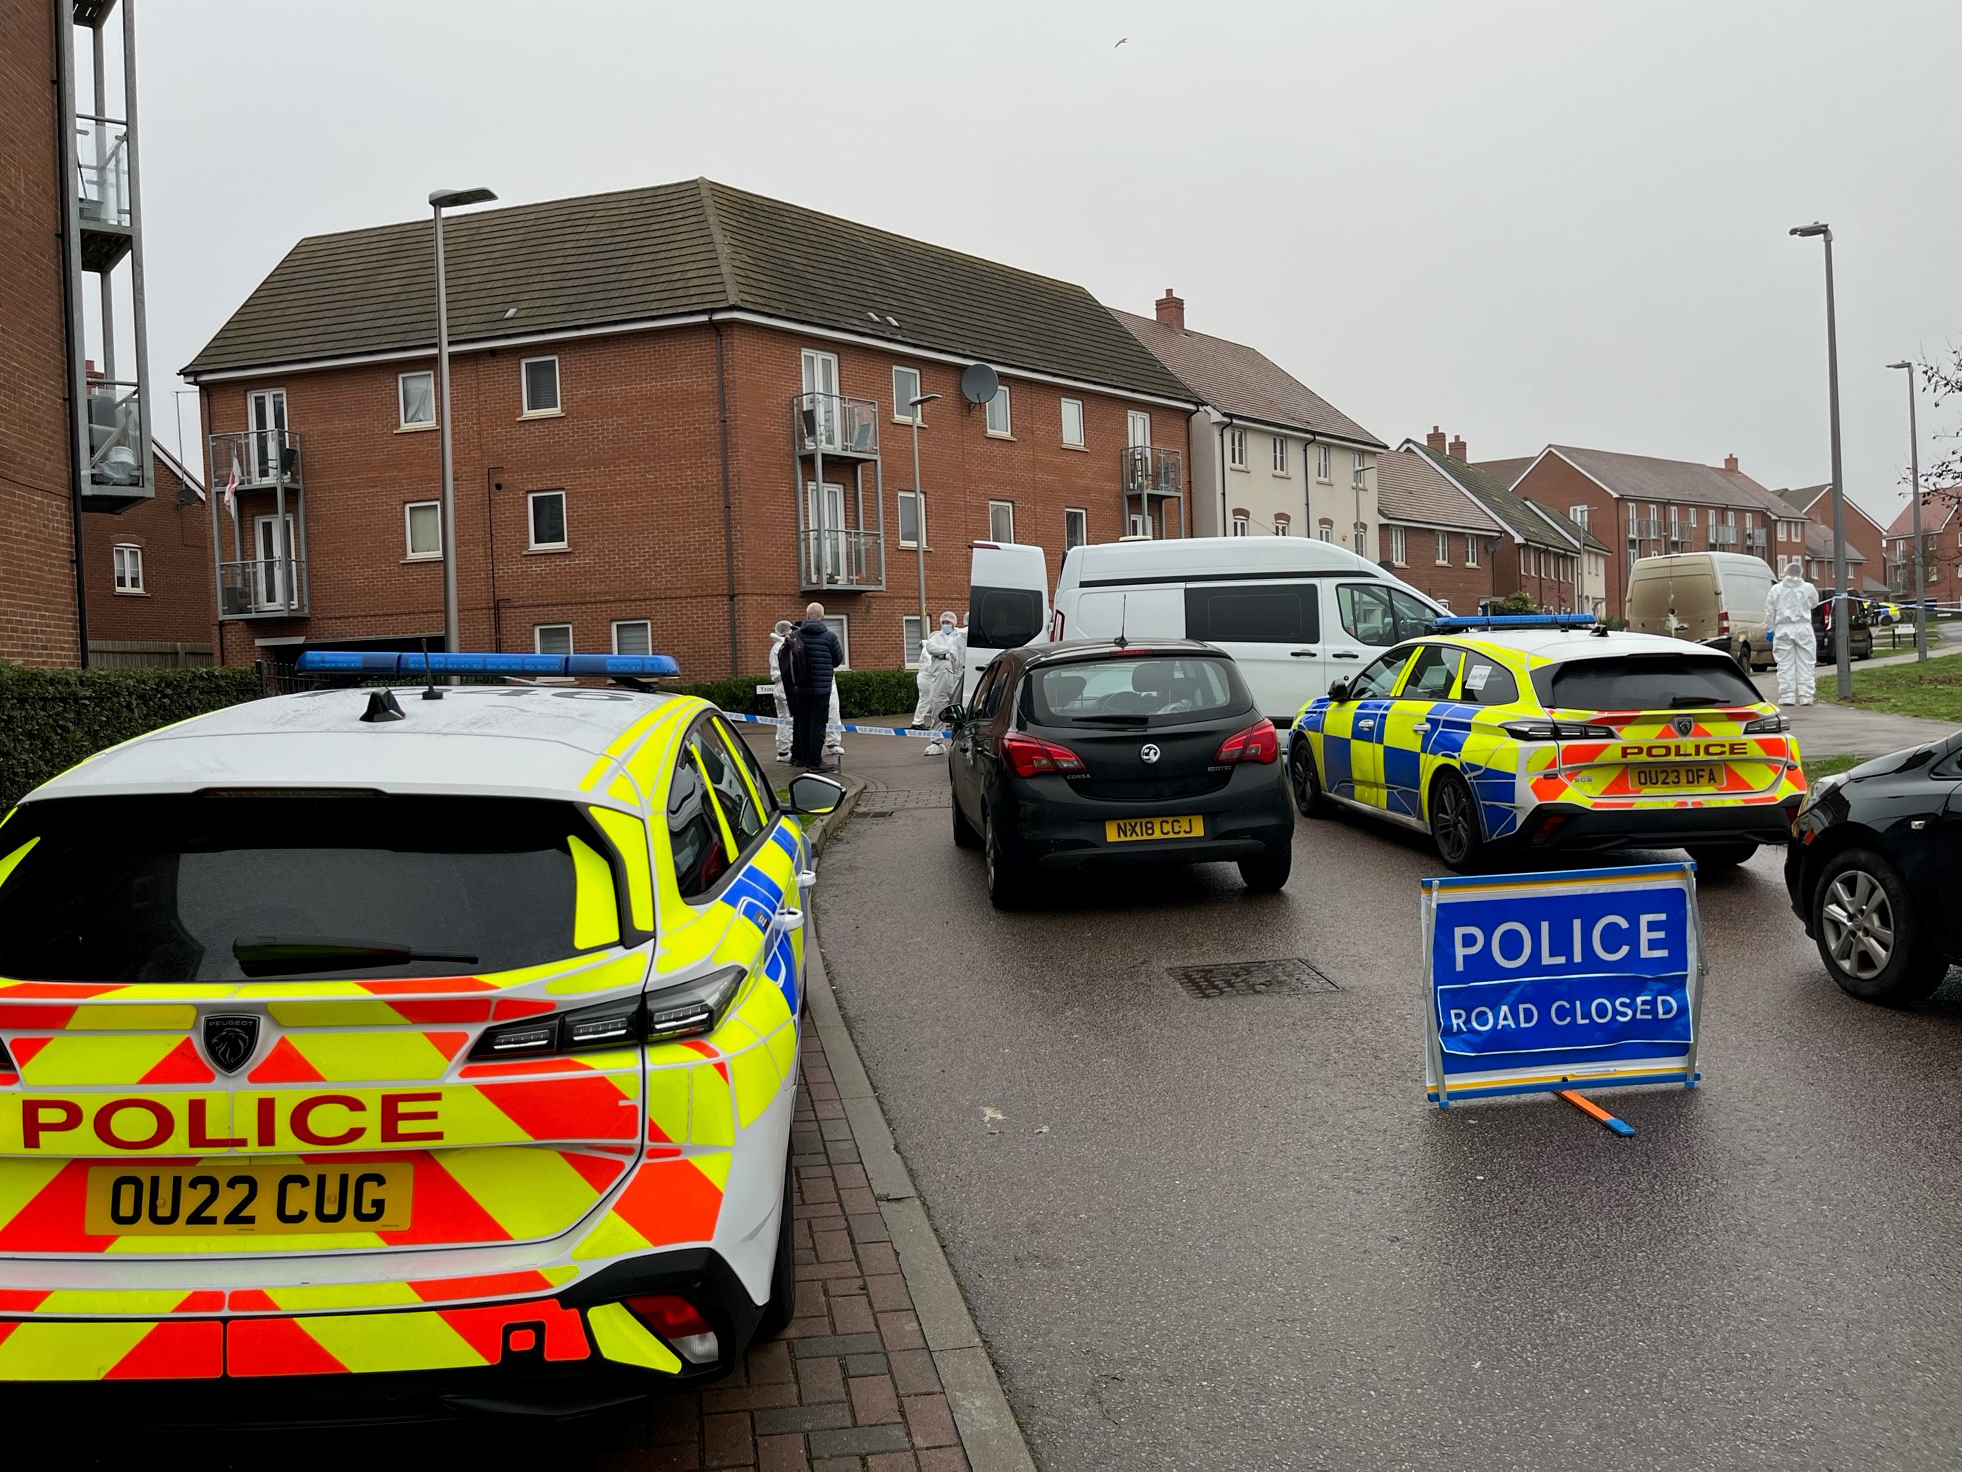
(260, 456)
(1149, 471)
(831, 424)
(263, 587)
(102, 166)
(115, 433)
(1645, 531)
(835, 558)
(1723, 536)
(1756, 540)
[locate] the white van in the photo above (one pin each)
(1294, 613)
(1712, 598)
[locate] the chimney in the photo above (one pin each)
(1458, 448)
(1434, 441)
(1171, 309)
(1730, 464)
(88, 370)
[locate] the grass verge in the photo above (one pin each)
(1828, 766)
(1932, 691)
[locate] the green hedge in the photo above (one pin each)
(51, 719)
(860, 693)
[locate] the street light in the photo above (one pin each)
(439, 201)
(919, 507)
(1842, 650)
(1914, 483)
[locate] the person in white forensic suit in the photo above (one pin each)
(1788, 616)
(943, 659)
(777, 637)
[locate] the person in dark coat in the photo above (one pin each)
(810, 699)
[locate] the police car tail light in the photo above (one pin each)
(1768, 725)
(675, 1012)
(1556, 731)
(1257, 743)
(692, 1008)
(1028, 757)
(679, 1322)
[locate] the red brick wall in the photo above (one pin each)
(176, 602)
(37, 589)
(1556, 485)
(1460, 586)
(637, 451)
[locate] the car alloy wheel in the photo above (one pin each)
(1858, 924)
(1454, 821)
(1304, 782)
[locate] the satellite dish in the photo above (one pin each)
(979, 383)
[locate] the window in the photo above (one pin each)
(1073, 422)
(1487, 682)
(1280, 613)
(1396, 545)
(905, 389)
(1577, 515)
(999, 422)
(424, 526)
(1240, 524)
(1139, 524)
(731, 792)
(633, 636)
(1375, 613)
(1324, 463)
(1643, 682)
(541, 376)
(1154, 690)
(129, 568)
(841, 625)
(1003, 618)
(1280, 455)
(552, 638)
(1282, 525)
(910, 639)
(1236, 448)
(416, 399)
(1380, 678)
(1443, 549)
(1692, 516)
(912, 519)
(700, 856)
(1356, 465)
(547, 518)
(1001, 521)
(1325, 530)
(1076, 527)
(1471, 549)
(1432, 673)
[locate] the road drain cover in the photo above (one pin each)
(1289, 978)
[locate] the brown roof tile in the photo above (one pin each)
(1410, 488)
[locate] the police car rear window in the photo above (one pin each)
(1643, 682)
(249, 887)
(1153, 690)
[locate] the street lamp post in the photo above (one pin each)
(1914, 484)
(439, 201)
(1842, 648)
(919, 507)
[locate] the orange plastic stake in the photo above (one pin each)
(1588, 1107)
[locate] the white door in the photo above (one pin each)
(266, 419)
(821, 401)
(1137, 428)
(269, 584)
(824, 531)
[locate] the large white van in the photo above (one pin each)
(1293, 612)
(1713, 598)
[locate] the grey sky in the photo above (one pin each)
(1526, 222)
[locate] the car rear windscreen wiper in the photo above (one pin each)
(1112, 718)
(283, 955)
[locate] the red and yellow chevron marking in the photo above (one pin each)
(112, 1349)
(668, 1202)
(442, 1339)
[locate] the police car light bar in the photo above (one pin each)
(1513, 621)
(389, 662)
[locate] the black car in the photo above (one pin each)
(1875, 867)
(1859, 632)
(1093, 752)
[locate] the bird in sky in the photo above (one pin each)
(1120, 43)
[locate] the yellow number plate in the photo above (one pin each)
(1132, 830)
(226, 1199)
(1664, 777)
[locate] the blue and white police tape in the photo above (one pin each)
(848, 727)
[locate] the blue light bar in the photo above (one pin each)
(389, 662)
(1513, 621)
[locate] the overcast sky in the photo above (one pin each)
(1525, 222)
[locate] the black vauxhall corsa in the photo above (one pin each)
(1093, 753)
(1875, 868)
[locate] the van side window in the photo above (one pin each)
(1413, 617)
(1003, 618)
(1243, 613)
(1488, 682)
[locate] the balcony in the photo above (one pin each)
(847, 561)
(1723, 536)
(1756, 540)
(830, 424)
(116, 439)
(264, 587)
(262, 459)
(1152, 472)
(102, 192)
(1645, 531)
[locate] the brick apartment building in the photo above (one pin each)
(649, 388)
(1434, 536)
(1866, 538)
(147, 574)
(1270, 456)
(1941, 549)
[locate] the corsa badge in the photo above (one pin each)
(1684, 725)
(229, 1040)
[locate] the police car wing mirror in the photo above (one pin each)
(1338, 692)
(813, 796)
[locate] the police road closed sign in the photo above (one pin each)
(1562, 981)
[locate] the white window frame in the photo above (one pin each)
(1242, 525)
(1397, 547)
(409, 553)
(1325, 531)
(1325, 465)
(993, 507)
(1358, 469)
(1236, 449)
(1007, 430)
(526, 411)
(538, 638)
(1278, 454)
(841, 625)
(126, 555)
(1283, 524)
(628, 623)
(1083, 522)
(1082, 429)
(1471, 549)
(1443, 548)
(1137, 524)
(919, 519)
(531, 522)
(903, 411)
(1578, 516)
(402, 420)
(912, 628)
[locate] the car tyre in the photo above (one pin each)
(964, 834)
(782, 1304)
(1872, 941)
(1305, 782)
(1007, 890)
(1721, 855)
(1269, 871)
(1455, 825)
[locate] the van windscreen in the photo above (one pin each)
(1643, 682)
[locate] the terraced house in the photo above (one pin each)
(679, 413)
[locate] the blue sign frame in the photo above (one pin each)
(1538, 983)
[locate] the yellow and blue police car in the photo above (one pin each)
(400, 1056)
(1546, 732)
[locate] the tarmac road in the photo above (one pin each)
(1230, 1233)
